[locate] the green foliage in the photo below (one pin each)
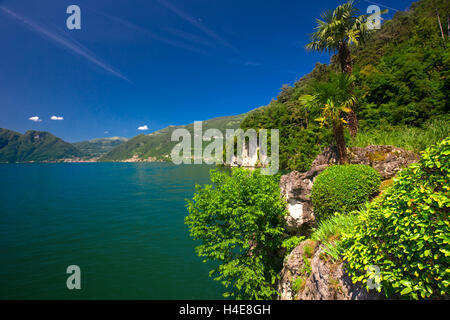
(338, 27)
(406, 81)
(301, 138)
(239, 222)
(297, 284)
(308, 251)
(329, 232)
(409, 138)
(306, 268)
(333, 97)
(334, 227)
(342, 189)
(290, 243)
(402, 81)
(406, 231)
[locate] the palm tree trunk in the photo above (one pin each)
(345, 59)
(338, 131)
(352, 120)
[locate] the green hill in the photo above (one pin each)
(158, 144)
(402, 87)
(97, 147)
(34, 146)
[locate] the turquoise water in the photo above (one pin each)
(121, 223)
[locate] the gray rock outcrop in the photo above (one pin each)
(322, 279)
(296, 186)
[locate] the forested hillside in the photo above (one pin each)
(97, 147)
(401, 85)
(158, 145)
(34, 146)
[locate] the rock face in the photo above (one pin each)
(387, 160)
(308, 272)
(312, 275)
(296, 187)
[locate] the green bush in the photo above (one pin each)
(290, 243)
(239, 220)
(330, 231)
(406, 231)
(342, 189)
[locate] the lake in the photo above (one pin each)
(121, 223)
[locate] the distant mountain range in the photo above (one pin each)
(97, 147)
(41, 146)
(158, 145)
(34, 146)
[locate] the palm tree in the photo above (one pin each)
(335, 32)
(335, 99)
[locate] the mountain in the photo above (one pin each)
(34, 146)
(97, 147)
(158, 145)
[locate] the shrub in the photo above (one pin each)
(341, 189)
(298, 284)
(406, 231)
(239, 222)
(290, 243)
(329, 233)
(334, 227)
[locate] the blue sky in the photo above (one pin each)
(151, 63)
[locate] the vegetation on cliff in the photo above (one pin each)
(401, 81)
(398, 88)
(239, 223)
(342, 189)
(406, 231)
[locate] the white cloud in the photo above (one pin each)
(56, 118)
(143, 128)
(35, 119)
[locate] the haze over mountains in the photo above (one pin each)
(41, 146)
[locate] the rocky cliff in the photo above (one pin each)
(308, 273)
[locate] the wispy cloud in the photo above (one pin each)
(197, 24)
(157, 37)
(57, 118)
(143, 128)
(190, 37)
(381, 5)
(62, 41)
(35, 119)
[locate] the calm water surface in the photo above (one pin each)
(122, 223)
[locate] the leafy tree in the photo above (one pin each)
(239, 222)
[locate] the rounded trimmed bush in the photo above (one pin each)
(343, 188)
(405, 232)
